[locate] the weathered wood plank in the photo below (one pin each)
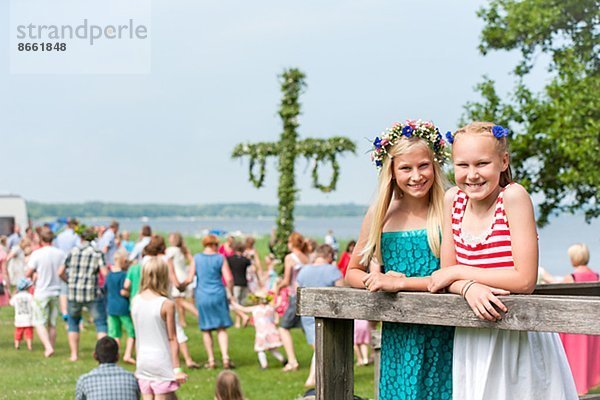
(569, 289)
(526, 312)
(334, 358)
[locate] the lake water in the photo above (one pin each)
(554, 238)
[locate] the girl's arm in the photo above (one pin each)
(287, 273)
(191, 273)
(168, 315)
(258, 264)
(126, 290)
(242, 308)
(227, 275)
(447, 250)
(523, 276)
(172, 275)
(358, 277)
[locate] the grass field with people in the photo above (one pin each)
(25, 374)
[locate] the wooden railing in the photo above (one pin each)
(569, 308)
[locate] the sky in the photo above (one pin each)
(166, 136)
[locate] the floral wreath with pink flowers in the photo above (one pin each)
(410, 128)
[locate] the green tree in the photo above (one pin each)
(555, 134)
(287, 150)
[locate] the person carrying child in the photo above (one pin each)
(402, 231)
(157, 367)
(489, 248)
(267, 336)
(22, 302)
(118, 305)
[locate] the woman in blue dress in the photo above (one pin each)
(397, 250)
(211, 270)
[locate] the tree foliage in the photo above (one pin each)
(555, 134)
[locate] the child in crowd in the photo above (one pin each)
(489, 248)
(157, 368)
(271, 279)
(126, 242)
(267, 336)
(131, 285)
(362, 341)
(228, 386)
(22, 302)
(118, 305)
(180, 259)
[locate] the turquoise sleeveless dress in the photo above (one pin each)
(416, 360)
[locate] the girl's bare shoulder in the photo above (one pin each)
(450, 194)
(516, 193)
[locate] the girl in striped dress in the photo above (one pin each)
(489, 248)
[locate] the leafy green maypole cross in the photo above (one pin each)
(287, 149)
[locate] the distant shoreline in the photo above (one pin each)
(39, 210)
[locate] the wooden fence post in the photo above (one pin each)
(376, 343)
(334, 358)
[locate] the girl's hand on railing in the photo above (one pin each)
(441, 279)
(388, 282)
(481, 299)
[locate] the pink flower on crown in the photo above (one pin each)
(385, 142)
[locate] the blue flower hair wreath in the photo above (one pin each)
(497, 130)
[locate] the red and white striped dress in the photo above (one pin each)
(494, 250)
(493, 364)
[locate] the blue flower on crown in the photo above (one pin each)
(407, 131)
(378, 163)
(449, 137)
(377, 142)
(499, 131)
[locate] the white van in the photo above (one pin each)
(13, 210)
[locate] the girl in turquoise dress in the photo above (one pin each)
(397, 250)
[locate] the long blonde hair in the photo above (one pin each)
(179, 242)
(155, 276)
(386, 191)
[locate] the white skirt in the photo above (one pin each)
(494, 364)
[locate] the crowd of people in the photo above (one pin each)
(138, 295)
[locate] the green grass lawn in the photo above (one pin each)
(25, 374)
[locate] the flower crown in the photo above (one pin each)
(257, 298)
(497, 130)
(410, 128)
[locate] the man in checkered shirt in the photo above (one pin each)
(108, 380)
(81, 269)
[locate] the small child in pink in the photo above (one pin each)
(362, 341)
(22, 302)
(267, 336)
